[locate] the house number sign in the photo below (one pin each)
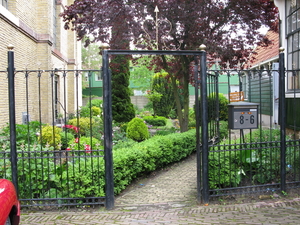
(243, 115)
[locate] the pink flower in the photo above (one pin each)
(68, 149)
(76, 129)
(88, 149)
(76, 140)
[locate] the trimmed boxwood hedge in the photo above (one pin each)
(80, 178)
(149, 155)
(156, 120)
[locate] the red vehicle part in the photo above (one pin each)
(9, 204)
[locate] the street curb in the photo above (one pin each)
(243, 207)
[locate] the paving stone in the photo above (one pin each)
(171, 198)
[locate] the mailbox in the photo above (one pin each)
(243, 115)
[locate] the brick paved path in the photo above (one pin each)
(177, 184)
(169, 197)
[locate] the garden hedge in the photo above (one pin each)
(149, 155)
(85, 177)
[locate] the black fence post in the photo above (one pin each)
(204, 125)
(107, 110)
(282, 120)
(12, 116)
(198, 142)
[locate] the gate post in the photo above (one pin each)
(282, 120)
(108, 157)
(12, 116)
(204, 125)
(198, 142)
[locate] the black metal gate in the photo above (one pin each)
(251, 160)
(46, 174)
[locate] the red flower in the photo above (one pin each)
(88, 149)
(76, 129)
(68, 149)
(76, 140)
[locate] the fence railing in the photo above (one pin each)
(260, 160)
(49, 162)
(49, 173)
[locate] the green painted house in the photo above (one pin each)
(92, 84)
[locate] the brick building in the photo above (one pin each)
(36, 31)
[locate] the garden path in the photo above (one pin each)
(172, 186)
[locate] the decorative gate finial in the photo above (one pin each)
(10, 47)
(157, 23)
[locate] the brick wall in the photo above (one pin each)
(29, 26)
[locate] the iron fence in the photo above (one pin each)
(257, 160)
(262, 159)
(53, 164)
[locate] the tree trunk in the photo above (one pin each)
(182, 114)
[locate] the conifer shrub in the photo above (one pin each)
(161, 86)
(137, 130)
(122, 108)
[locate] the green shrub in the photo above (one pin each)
(83, 123)
(85, 181)
(50, 135)
(86, 111)
(25, 133)
(66, 137)
(149, 155)
(223, 130)
(156, 120)
(73, 177)
(123, 127)
(96, 111)
(95, 102)
(212, 102)
(166, 131)
(137, 130)
(122, 108)
(94, 105)
(254, 158)
(224, 169)
(76, 176)
(161, 94)
(192, 118)
(82, 142)
(223, 106)
(148, 106)
(97, 130)
(172, 114)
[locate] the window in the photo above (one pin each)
(98, 76)
(293, 43)
(4, 3)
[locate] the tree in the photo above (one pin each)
(122, 108)
(227, 27)
(90, 57)
(163, 105)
